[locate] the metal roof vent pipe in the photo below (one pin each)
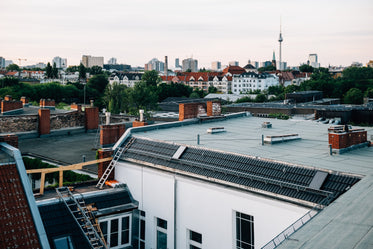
(141, 115)
(107, 114)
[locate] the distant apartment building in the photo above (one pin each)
(233, 63)
(41, 65)
(2, 62)
(250, 81)
(282, 66)
(60, 62)
(370, 63)
(154, 64)
(313, 61)
(216, 65)
(266, 63)
(127, 79)
(177, 62)
(8, 62)
(190, 64)
(90, 61)
(112, 61)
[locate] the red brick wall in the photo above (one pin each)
(44, 121)
(76, 107)
(47, 102)
(91, 118)
(10, 105)
(24, 100)
(17, 229)
(188, 110)
(10, 139)
(110, 134)
(102, 166)
(213, 108)
(138, 123)
(347, 139)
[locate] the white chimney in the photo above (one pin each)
(141, 115)
(107, 114)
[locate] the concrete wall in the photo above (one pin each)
(203, 207)
(66, 120)
(10, 124)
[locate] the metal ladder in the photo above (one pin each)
(113, 162)
(97, 139)
(82, 216)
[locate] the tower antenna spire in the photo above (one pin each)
(280, 39)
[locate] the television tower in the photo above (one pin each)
(280, 40)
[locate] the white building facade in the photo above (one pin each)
(250, 81)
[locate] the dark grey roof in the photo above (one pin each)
(58, 221)
(287, 180)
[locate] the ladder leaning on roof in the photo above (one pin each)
(113, 162)
(82, 216)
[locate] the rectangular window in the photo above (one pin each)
(194, 240)
(161, 234)
(142, 230)
(116, 230)
(244, 231)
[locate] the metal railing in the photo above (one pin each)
(276, 241)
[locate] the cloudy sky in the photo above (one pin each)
(339, 31)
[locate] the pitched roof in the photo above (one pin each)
(234, 70)
(266, 176)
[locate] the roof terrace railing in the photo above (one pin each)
(276, 241)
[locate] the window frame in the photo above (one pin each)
(238, 238)
(119, 218)
(191, 242)
(161, 230)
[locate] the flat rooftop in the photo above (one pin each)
(347, 222)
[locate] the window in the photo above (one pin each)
(142, 230)
(116, 230)
(161, 234)
(63, 243)
(194, 240)
(244, 231)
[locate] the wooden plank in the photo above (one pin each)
(42, 183)
(61, 179)
(68, 167)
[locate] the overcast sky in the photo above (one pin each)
(136, 31)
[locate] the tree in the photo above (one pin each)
(8, 81)
(96, 70)
(212, 89)
(54, 71)
(267, 68)
(194, 95)
(72, 69)
(151, 78)
(82, 72)
(369, 93)
(306, 68)
(260, 98)
(12, 67)
(98, 82)
(48, 71)
(142, 96)
(353, 96)
(116, 98)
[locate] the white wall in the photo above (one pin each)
(202, 207)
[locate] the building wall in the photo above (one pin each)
(18, 123)
(202, 207)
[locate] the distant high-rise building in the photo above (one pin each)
(2, 62)
(41, 65)
(154, 64)
(216, 65)
(233, 63)
(190, 64)
(313, 61)
(177, 62)
(8, 62)
(274, 59)
(266, 63)
(166, 65)
(280, 39)
(90, 61)
(60, 62)
(112, 61)
(254, 63)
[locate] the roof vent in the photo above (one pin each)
(179, 152)
(266, 125)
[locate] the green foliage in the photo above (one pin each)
(95, 70)
(261, 98)
(54, 71)
(62, 105)
(8, 81)
(212, 89)
(306, 68)
(12, 67)
(142, 96)
(279, 116)
(116, 98)
(72, 69)
(358, 73)
(354, 96)
(173, 90)
(151, 78)
(244, 99)
(194, 95)
(369, 92)
(267, 68)
(48, 71)
(275, 90)
(98, 82)
(198, 92)
(82, 72)
(291, 89)
(69, 176)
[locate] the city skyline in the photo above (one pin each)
(210, 30)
